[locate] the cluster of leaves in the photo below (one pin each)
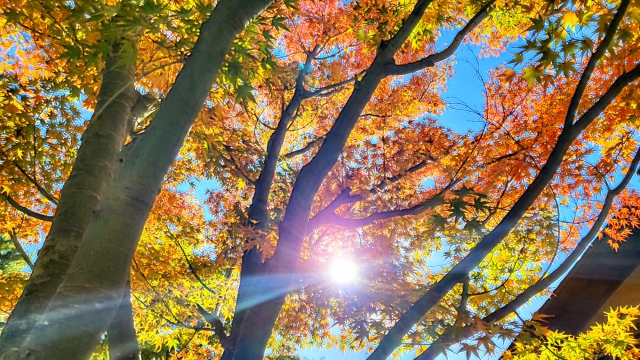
(623, 220)
(615, 338)
(565, 34)
(12, 278)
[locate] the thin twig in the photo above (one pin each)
(20, 249)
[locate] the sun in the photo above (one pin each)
(343, 270)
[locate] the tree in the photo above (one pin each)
(322, 134)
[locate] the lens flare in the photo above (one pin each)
(343, 271)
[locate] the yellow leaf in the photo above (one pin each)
(570, 19)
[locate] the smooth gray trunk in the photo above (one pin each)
(93, 287)
(121, 334)
(80, 198)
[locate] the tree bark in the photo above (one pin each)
(249, 289)
(80, 197)
(251, 339)
(93, 286)
(121, 334)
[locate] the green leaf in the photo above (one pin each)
(438, 222)
(149, 7)
(72, 52)
(128, 55)
(473, 226)
(204, 8)
(291, 4)
(234, 72)
(463, 192)
(567, 68)
(532, 74)
(538, 24)
(245, 92)
(457, 208)
(278, 22)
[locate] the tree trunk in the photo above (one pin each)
(251, 334)
(80, 197)
(93, 286)
(252, 265)
(121, 334)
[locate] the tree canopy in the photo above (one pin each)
(190, 173)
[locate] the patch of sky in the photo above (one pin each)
(464, 94)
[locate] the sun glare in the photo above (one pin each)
(343, 270)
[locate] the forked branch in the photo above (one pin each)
(593, 61)
(452, 337)
(327, 215)
(218, 326)
(431, 60)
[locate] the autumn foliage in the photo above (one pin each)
(216, 158)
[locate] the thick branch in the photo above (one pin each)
(431, 60)
(593, 61)
(395, 43)
(258, 210)
(259, 203)
(218, 326)
(27, 211)
(393, 339)
(606, 99)
(312, 145)
(452, 337)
